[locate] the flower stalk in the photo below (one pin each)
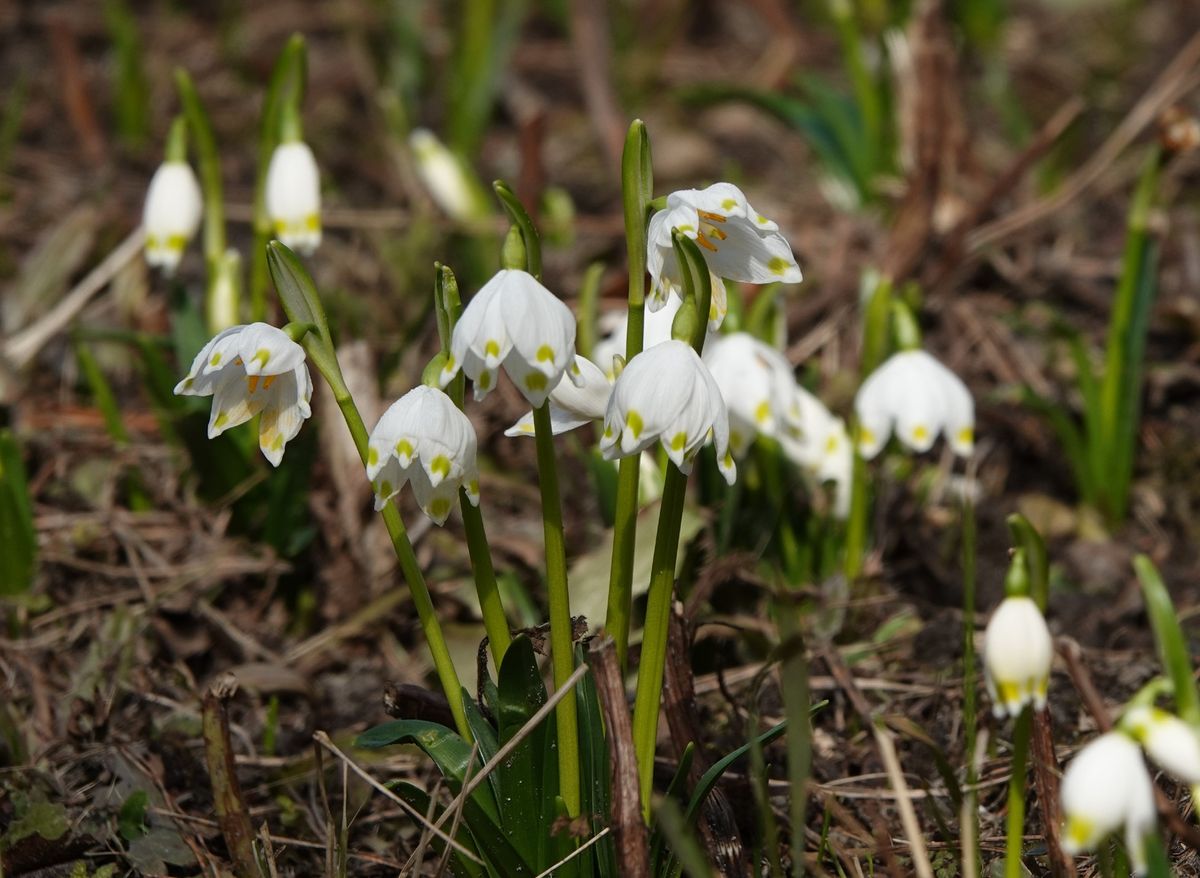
(1016, 793)
(303, 306)
(448, 307)
(636, 188)
(562, 650)
(698, 290)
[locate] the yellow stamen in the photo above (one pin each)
(710, 216)
(705, 243)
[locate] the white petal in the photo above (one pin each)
(283, 414)
(266, 350)
(233, 404)
(388, 481)
(171, 214)
(293, 196)
(196, 383)
(1017, 654)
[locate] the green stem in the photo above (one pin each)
(636, 184)
(856, 520)
(562, 650)
(1016, 794)
(412, 574)
(654, 632)
(968, 669)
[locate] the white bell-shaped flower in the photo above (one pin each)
(916, 397)
(1017, 653)
(1167, 739)
(758, 386)
(424, 439)
(1107, 787)
(444, 178)
(172, 214)
(821, 447)
(738, 243)
(293, 196)
(666, 394)
(572, 405)
(517, 323)
(614, 326)
(253, 370)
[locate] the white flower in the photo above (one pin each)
(758, 386)
(1167, 739)
(666, 394)
(517, 323)
(293, 196)
(172, 214)
(656, 328)
(822, 448)
(251, 370)
(917, 397)
(424, 439)
(443, 176)
(738, 243)
(1017, 652)
(1104, 788)
(572, 405)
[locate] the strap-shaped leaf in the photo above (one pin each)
(17, 535)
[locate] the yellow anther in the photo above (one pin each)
(705, 243)
(710, 216)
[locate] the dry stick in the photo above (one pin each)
(885, 742)
(503, 753)
(1071, 652)
(1045, 782)
(579, 850)
(1169, 86)
(232, 815)
(628, 827)
(324, 740)
(22, 347)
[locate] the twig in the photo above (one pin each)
(22, 347)
(504, 752)
(579, 850)
(627, 824)
(232, 814)
(323, 739)
(1045, 781)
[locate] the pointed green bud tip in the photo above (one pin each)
(686, 322)
(297, 331)
(513, 253)
(1016, 582)
(904, 322)
(449, 286)
(431, 376)
(177, 140)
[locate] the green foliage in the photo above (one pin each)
(131, 821)
(1173, 650)
(132, 92)
(18, 561)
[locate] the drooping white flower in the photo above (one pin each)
(1107, 787)
(251, 370)
(656, 328)
(822, 448)
(1168, 740)
(758, 386)
(666, 394)
(738, 243)
(424, 439)
(444, 178)
(293, 196)
(517, 323)
(1017, 652)
(172, 213)
(572, 405)
(916, 397)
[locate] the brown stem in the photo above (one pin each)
(1045, 781)
(629, 830)
(232, 815)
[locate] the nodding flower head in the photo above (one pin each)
(172, 214)
(517, 323)
(444, 178)
(738, 243)
(293, 196)
(1017, 653)
(666, 394)
(1167, 739)
(251, 370)
(1106, 787)
(758, 387)
(424, 439)
(572, 405)
(916, 397)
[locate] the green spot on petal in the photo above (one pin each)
(545, 354)
(385, 488)
(222, 420)
(678, 441)
(762, 412)
(536, 381)
(440, 465)
(439, 508)
(729, 203)
(216, 359)
(404, 449)
(634, 423)
(492, 348)
(778, 265)
(484, 380)
(372, 456)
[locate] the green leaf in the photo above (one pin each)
(594, 774)
(686, 852)
(46, 819)
(210, 166)
(521, 220)
(1026, 537)
(18, 560)
(450, 753)
(420, 802)
(131, 821)
(485, 739)
(1172, 646)
(710, 777)
(528, 802)
(676, 791)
